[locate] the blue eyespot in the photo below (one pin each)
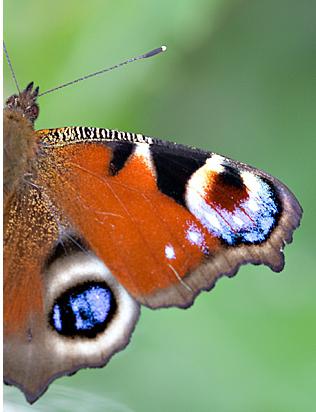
(84, 310)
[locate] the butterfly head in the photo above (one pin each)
(25, 102)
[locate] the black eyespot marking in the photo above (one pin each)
(121, 153)
(175, 167)
(230, 177)
(84, 310)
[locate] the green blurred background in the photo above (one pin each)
(239, 78)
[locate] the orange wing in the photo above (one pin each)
(161, 251)
(137, 231)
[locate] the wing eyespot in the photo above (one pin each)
(84, 310)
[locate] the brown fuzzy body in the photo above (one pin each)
(20, 147)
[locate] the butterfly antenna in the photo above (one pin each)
(11, 67)
(131, 60)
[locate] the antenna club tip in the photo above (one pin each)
(153, 52)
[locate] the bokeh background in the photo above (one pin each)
(239, 78)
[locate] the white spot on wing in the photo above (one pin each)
(170, 252)
(215, 163)
(142, 150)
(195, 236)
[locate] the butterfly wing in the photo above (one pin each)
(108, 212)
(51, 282)
(30, 230)
(167, 220)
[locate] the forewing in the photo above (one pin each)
(167, 220)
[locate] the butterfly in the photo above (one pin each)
(98, 222)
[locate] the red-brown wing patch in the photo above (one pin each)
(225, 191)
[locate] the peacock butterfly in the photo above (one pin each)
(98, 222)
